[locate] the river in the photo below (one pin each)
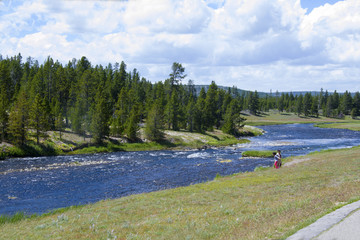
(38, 185)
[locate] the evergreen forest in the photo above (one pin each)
(111, 101)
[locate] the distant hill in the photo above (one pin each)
(261, 94)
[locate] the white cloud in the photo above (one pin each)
(333, 29)
(256, 31)
(254, 44)
(151, 17)
(345, 49)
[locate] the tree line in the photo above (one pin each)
(111, 101)
(106, 101)
(333, 105)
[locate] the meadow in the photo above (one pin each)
(265, 204)
(276, 117)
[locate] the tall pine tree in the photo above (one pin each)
(154, 123)
(38, 117)
(100, 116)
(18, 119)
(121, 114)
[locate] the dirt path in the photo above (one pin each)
(295, 161)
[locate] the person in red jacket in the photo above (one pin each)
(279, 157)
(276, 158)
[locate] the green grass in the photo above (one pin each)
(353, 125)
(13, 218)
(275, 117)
(268, 203)
(254, 153)
(75, 144)
(31, 149)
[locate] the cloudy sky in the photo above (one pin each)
(284, 45)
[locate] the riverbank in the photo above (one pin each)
(270, 203)
(353, 125)
(71, 143)
(275, 118)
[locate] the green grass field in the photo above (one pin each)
(275, 117)
(267, 204)
(351, 125)
(266, 154)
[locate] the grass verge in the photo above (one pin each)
(254, 153)
(354, 125)
(71, 143)
(272, 203)
(275, 117)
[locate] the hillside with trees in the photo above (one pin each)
(103, 102)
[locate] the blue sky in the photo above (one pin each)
(284, 45)
(311, 4)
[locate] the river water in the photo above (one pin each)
(38, 185)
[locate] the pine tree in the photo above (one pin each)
(175, 109)
(82, 65)
(49, 78)
(18, 119)
(299, 105)
(314, 107)
(356, 104)
(219, 99)
(50, 118)
(335, 100)
(324, 103)
(210, 106)
(59, 123)
(63, 89)
(172, 111)
(353, 113)
(177, 74)
(5, 97)
(118, 81)
(254, 103)
(229, 124)
(154, 123)
(38, 117)
(15, 69)
(132, 124)
(121, 114)
(190, 114)
(100, 116)
(4, 117)
(291, 102)
(226, 101)
(329, 111)
(232, 120)
(346, 103)
(85, 95)
(200, 120)
(307, 104)
(281, 103)
(77, 117)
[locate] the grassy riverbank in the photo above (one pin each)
(351, 125)
(257, 205)
(71, 143)
(275, 117)
(260, 154)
